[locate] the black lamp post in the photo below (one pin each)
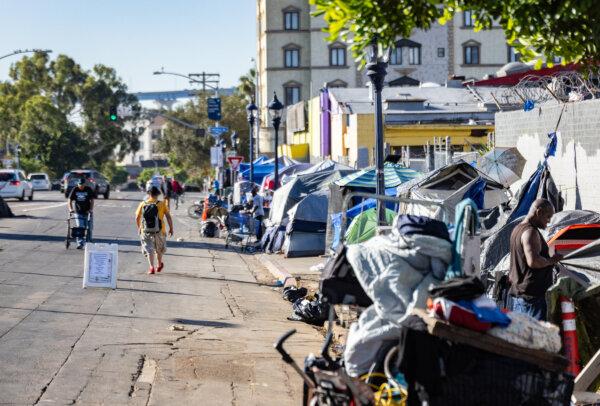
(275, 110)
(376, 73)
(252, 112)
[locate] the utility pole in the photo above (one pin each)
(207, 79)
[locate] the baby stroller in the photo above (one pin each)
(74, 232)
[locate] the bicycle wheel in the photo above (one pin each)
(195, 211)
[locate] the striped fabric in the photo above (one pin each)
(394, 175)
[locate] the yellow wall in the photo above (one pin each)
(417, 135)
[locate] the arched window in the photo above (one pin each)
(471, 53)
(337, 54)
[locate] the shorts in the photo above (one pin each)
(153, 243)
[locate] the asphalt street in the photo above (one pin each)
(201, 332)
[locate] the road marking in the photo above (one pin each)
(44, 207)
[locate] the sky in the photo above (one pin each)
(137, 37)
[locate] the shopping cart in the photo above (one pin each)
(74, 232)
(241, 229)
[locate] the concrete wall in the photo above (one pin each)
(577, 160)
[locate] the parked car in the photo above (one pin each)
(98, 183)
(13, 183)
(57, 184)
(190, 187)
(40, 181)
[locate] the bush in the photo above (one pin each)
(115, 174)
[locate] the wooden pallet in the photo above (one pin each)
(495, 345)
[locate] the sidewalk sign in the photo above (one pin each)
(217, 131)
(235, 161)
(100, 265)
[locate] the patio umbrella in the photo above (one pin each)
(503, 164)
(393, 175)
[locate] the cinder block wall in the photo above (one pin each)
(576, 166)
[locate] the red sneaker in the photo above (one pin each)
(151, 271)
(160, 267)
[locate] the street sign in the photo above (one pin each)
(216, 156)
(235, 161)
(217, 131)
(214, 108)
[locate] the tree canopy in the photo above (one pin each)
(538, 29)
(58, 113)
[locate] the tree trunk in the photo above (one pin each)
(4, 209)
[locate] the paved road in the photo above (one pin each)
(61, 344)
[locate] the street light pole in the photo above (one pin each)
(376, 71)
(252, 111)
(275, 110)
(26, 51)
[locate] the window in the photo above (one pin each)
(292, 94)
(414, 55)
(471, 55)
(292, 58)
(291, 20)
(557, 59)
(441, 52)
(467, 18)
(156, 134)
(512, 55)
(396, 56)
(337, 56)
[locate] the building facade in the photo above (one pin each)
(148, 143)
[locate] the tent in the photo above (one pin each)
(326, 165)
(305, 232)
(364, 226)
(449, 185)
(291, 193)
(264, 167)
(394, 175)
(269, 181)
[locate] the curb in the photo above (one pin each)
(277, 271)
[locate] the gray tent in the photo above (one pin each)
(293, 192)
(305, 233)
(449, 185)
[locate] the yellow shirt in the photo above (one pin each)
(162, 210)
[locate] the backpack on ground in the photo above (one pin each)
(150, 220)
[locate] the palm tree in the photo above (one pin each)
(247, 84)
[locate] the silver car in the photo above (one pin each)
(13, 183)
(40, 181)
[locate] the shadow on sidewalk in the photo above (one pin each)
(160, 292)
(133, 243)
(208, 278)
(204, 323)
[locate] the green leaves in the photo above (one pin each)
(544, 28)
(57, 111)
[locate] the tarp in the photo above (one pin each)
(263, 167)
(364, 226)
(326, 165)
(567, 218)
(293, 192)
(284, 173)
(394, 175)
(449, 185)
(584, 264)
(395, 271)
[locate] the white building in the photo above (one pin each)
(148, 143)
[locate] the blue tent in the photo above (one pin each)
(393, 174)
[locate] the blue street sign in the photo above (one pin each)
(214, 108)
(217, 131)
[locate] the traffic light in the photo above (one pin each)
(112, 113)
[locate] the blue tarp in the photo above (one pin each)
(533, 185)
(477, 193)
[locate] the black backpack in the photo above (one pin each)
(150, 220)
(338, 283)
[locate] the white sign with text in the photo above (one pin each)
(100, 266)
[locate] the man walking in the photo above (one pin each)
(149, 219)
(81, 201)
(258, 211)
(531, 267)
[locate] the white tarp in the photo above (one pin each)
(395, 271)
